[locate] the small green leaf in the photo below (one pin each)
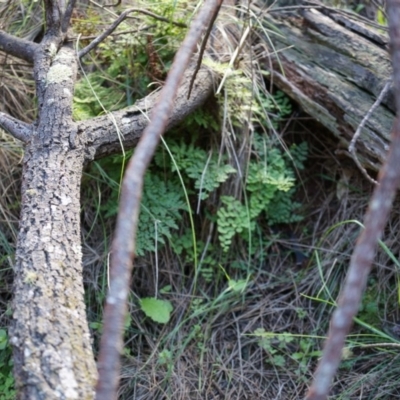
(128, 320)
(237, 286)
(279, 361)
(166, 289)
(96, 326)
(297, 356)
(3, 339)
(158, 310)
(165, 357)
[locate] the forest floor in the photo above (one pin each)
(253, 325)
(262, 340)
(253, 330)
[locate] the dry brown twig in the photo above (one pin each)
(123, 247)
(352, 149)
(364, 252)
(92, 45)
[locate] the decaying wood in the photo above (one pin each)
(335, 67)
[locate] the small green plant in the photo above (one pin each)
(204, 170)
(156, 309)
(7, 391)
(270, 188)
(279, 348)
(130, 61)
(272, 109)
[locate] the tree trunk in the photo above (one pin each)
(53, 357)
(334, 66)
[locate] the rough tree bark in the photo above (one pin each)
(53, 357)
(335, 66)
(52, 348)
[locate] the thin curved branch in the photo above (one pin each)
(123, 247)
(15, 127)
(101, 134)
(117, 22)
(21, 48)
(364, 252)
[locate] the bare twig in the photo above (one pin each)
(123, 247)
(17, 47)
(364, 252)
(15, 127)
(357, 134)
(117, 22)
(359, 165)
(202, 48)
(368, 115)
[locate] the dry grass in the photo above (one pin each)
(10, 181)
(209, 351)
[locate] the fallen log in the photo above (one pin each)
(335, 65)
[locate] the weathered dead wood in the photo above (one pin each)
(335, 67)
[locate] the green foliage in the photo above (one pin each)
(371, 304)
(87, 94)
(129, 62)
(204, 170)
(156, 309)
(7, 391)
(201, 119)
(269, 187)
(279, 348)
(165, 357)
(161, 210)
(272, 109)
(232, 218)
(297, 155)
(270, 176)
(162, 206)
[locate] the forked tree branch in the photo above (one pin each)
(123, 247)
(92, 45)
(364, 252)
(23, 49)
(20, 130)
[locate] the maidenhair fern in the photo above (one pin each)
(232, 218)
(269, 188)
(161, 209)
(162, 206)
(202, 168)
(297, 155)
(276, 106)
(91, 97)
